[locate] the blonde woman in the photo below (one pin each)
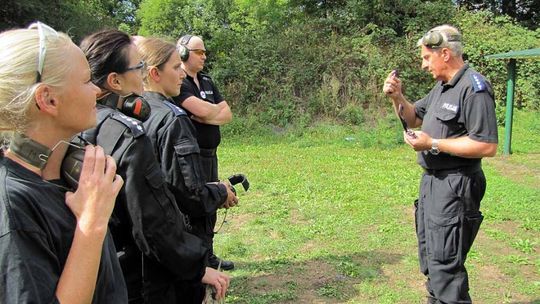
(54, 242)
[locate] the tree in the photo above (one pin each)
(78, 18)
(526, 12)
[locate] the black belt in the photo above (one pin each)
(208, 152)
(462, 170)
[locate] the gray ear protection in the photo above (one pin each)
(30, 150)
(37, 155)
(72, 166)
(182, 47)
(434, 39)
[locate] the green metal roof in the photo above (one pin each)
(532, 53)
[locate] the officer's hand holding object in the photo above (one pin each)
(421, 141)
(392, 84)
(232, 199)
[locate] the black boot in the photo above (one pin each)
(214, 262)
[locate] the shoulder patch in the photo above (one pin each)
(479, 82)
(133, 124)
(176, 109)
(206, 77)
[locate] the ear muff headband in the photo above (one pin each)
(182, 47)
(434, 39)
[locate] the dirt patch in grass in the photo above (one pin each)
(233, 220)
(297, 218)
(526, 171)
(488, 279)
(296, 283)
(331, 279)
(492, 278)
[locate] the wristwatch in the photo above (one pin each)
(434, 146)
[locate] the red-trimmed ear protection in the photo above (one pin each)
(133, 105)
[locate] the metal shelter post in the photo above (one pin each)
(510, 86)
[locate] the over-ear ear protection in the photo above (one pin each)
(30, 150)
(182, 47)
(72, 166)
(133, 105)
(434, 39)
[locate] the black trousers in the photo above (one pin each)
(203, 227)
(159, 286)
(448, 218)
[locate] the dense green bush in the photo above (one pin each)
(486, 34)
(301, 61)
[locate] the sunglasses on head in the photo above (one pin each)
(43, 31)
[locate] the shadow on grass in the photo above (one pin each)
(326, 279)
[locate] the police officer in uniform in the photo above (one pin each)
(458, 129)
(208, 110)
(154, 243)
(173, 137)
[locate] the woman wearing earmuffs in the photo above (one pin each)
(54, 242)
(150, 233)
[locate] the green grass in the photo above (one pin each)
(329, 218)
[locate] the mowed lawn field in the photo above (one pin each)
(329, 218)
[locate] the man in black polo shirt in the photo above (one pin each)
(208, 110)
(458, 128)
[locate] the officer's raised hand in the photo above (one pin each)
(392, 85)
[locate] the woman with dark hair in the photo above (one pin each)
(155, 247)
(54, 242)
(175, 145)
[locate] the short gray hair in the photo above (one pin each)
(443, 36)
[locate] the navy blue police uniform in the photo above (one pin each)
(154, 243)
(173, 135)
(448, 214)
(208, 137)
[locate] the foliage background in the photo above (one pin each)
(291, 64)
(299, 61)
(283, 62)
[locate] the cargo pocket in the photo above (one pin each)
(156, 181)
(471, 225)
(443, 237)
(188, 162)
